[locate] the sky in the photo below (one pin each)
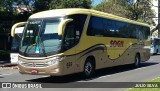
(96, 2)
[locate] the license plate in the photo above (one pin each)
(34, 71)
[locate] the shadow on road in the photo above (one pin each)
(99, 73)
(156, 54)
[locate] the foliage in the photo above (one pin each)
(6, 5)
(138, 11)
(9, 16)
(58, 4)
(41, 5)
(113, 8)
(70, 4)
(142, 10)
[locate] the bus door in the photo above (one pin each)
(75, 31)
(68, 43)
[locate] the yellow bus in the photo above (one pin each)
(66, 41)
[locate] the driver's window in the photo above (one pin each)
(69, 40)
(73, 31)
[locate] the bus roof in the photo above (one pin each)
(71, 11)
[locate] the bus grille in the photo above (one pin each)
(34, 64)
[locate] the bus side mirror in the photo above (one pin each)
(16, 26)
(62, 25)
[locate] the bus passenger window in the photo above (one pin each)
(95, 27)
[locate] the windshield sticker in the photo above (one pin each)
(37, 49)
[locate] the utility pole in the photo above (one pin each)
(158, 18)
(155, 5)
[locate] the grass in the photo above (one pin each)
(147, 89)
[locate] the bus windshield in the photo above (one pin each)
(15, 42)
(40, 38)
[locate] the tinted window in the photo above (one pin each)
(95, 27)
(122, 29)
(156, 41)
(112, 28)
(78, 21)
(146, 31)
(109, 28)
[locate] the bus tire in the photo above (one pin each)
(137, 61)
(89, 68)
(157, 51)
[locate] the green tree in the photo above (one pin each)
(6, 5)
(41, 5)
(70, 4)
(114, 7)
(140, 11)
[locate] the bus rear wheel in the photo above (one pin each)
(88, 68)
(137, 61)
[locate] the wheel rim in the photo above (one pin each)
(88, 68)
(137, 61)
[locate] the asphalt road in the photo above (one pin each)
(148, 71)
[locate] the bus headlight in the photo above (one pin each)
(20, 62)
(55, 61)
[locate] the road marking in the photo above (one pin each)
(155, 78)
(45, 76)
(95, 78)
(115, 74)
(118, 73)
(1, 75)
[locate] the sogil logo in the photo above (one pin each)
(115, 43)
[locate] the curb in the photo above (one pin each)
(8, 66)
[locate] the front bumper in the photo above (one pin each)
(39, 66)
(50, 70)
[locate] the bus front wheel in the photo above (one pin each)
(88, 68)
